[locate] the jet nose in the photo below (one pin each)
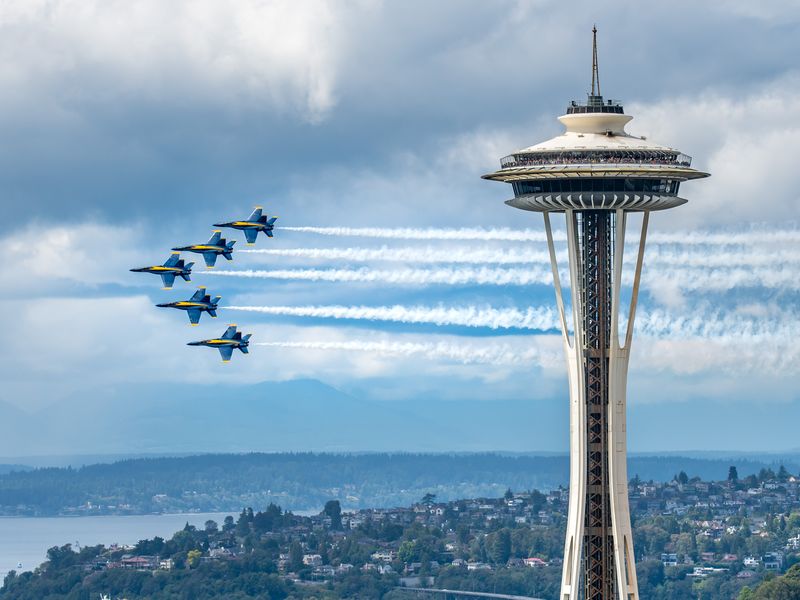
(163, 305)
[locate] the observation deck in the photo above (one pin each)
(595, 164)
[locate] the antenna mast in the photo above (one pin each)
(595, 70)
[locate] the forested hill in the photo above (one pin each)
(305, 481)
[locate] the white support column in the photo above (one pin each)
(573, 545)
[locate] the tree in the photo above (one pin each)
(766, 475)
(243, 525)
(682, 478)
(428, 498)
(783, 474)
(501, 547)
(509, 494)
(211, 526)
(193, 558)
(407, 552)
(733, 475)
(334, 510)
(295, 556)
(786, 587)
(228, 524)
(9, 578)
(462, 533)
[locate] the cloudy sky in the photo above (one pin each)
(129, 128)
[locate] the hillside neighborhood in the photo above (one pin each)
(690, 535)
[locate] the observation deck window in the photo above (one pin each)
(597, 184)
(570, 157)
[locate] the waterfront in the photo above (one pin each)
(26, 539)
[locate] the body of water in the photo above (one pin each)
(26, 540)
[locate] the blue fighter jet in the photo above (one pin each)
(196, 305)
(226, 344)
(169, 270)
(255, 222)
(210, 250)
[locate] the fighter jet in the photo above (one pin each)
(169, 270)
(210, 250)
(226, 344)
(255, 222)
(196, 305)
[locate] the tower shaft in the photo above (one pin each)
(596, 248)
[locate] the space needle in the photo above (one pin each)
(596, 174)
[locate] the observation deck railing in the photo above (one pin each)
(593, 158)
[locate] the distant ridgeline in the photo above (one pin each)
(226, 482)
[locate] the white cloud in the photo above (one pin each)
(42, 256)
(280, 54)
(748, 142)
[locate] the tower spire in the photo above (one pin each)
(595, 70)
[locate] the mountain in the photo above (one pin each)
(308, 415)
(300, 415)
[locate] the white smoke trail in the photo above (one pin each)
(412, 254)
(461, 276)
(494, 354)
(762, 236)
(466, 233)
(530, 235)
(655, 324)
(729, 355)
(719, 326)
(707, 279)
(541, 319)
(499, 256)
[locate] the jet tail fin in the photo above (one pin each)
(186, 275)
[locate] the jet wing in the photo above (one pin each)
(173, 260)
(225, 352)
(199, 294)
(250, 235)
(229, 333)
(194, 316)
(255, 216)
(210, 258)
(214, 241)
(168, 279)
